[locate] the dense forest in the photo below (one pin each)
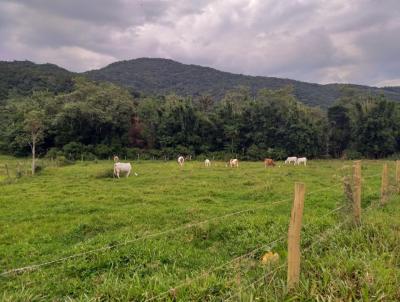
(76, 117)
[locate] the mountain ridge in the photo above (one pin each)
(158, 76)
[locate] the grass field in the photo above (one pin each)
(152, 241)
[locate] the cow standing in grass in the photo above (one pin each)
(207, 163)
(301, 160)
(292, 159)
(181, 161)
(234, 162)
(121, 167)
(268, 162)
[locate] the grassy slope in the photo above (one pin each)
(68, 210)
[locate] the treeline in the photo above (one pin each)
(95, 120)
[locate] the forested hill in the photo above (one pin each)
(23, 77)
(162, 76)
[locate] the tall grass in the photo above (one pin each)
(70, 210)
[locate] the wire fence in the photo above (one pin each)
(203, 274)
(33, 267)
(206, 273)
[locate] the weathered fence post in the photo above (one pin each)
(398, 175)
(19, 173)
(293, 274)
(384, 184)
(7, 172)
(357, 192)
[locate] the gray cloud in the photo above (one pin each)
(311, 40)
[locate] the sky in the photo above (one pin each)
(321, 41)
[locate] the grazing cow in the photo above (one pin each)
(269, 162)
(181, 160)
(122, 167)
(302, 160)
(292, 159)
(234, 162)
(207, 162)
(188, 157)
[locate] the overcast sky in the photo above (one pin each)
(323, 41)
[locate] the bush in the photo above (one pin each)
(277, 153)
(103, 151)
(351, 154)
(73, 150)
(394, 156)
(88, 156)
(131, 153)
(168, 153)
(53, 153)
(255, 153)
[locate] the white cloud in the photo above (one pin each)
(311, 40)
(387, 83)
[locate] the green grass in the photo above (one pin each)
(68, 210)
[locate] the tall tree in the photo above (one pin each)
(34, 128)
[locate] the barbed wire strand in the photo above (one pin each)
(321, 237)
(206, 273)
(257, 281)
(126, 242)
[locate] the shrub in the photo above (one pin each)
(351, 154)
(255, 153)
(73, 150)
(88, 156)
(394, 156)
(103, 151)
(277, 153)
(53, 153)
(131, 153)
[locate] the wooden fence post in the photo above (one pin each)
(19, 173)
(293, 274)
(384, 184)
(357, 192)
(398, 175)
(7, 172)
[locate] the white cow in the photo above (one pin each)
(207, 163)
(302, 160)
(292, 159)
(122, 167)
(234, 162)
(181, 160)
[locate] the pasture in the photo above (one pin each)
(187, 228)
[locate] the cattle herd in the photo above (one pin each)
(233, 163)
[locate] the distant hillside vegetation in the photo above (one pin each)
(23, 77)
(161, 76)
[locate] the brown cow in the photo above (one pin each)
(269, 162)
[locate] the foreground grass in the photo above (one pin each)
(69, 210)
